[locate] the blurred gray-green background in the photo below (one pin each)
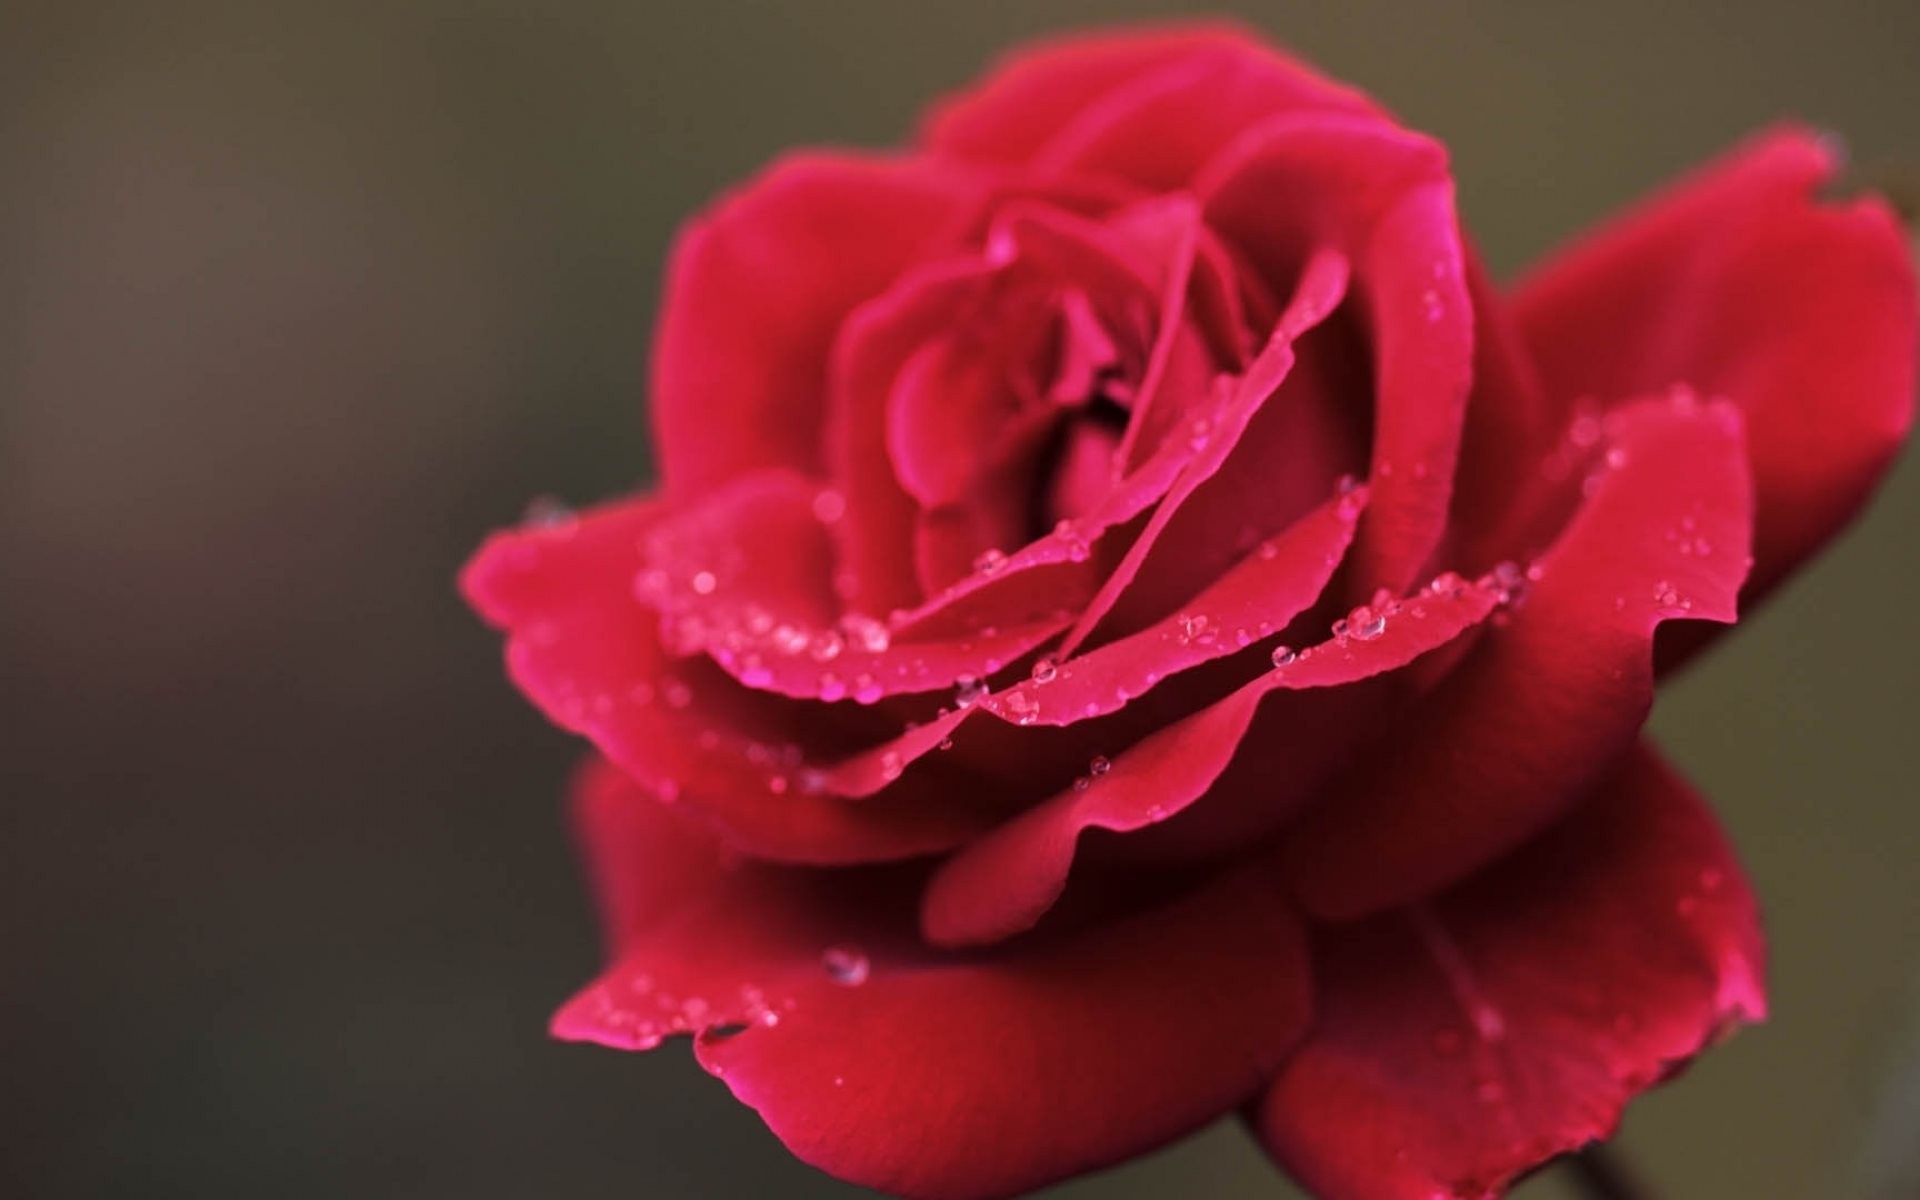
(296, 301)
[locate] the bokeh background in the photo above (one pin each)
(297, 301)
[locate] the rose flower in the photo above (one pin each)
(1133, 626)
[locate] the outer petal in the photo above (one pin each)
(1030, 96)
(1465, 1042)
(1741, 283)
(755, 292)
(1517, 731)
(589, 656)
(1161, 128)
(928, 1076)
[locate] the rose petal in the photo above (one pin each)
(743, 575)
(1028, 97)
(1511, 428)
(1160, 128)
(755, 292)
(1300, 445)
(1055, 568)
(1263, 592)
(1518, 730)
(589, 656)
(1217, 429)
(877, 516)
(1463, 1043)
(1012, 1052)
(1003, 883)
(1741, 282)
(1381, 194)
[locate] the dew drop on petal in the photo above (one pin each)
(826, 646)
(990, 562)
(829, 506)
(1100, 765)
(550, 513)
(968, 691)
(1365, 624)
(1283, 655)
(845, 965)
(1045, 670)
(1023, 708)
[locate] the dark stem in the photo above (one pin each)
(1602, 1174)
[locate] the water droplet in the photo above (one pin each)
(1100, 765)
(551, 514)
(1365, 624)
(1199, 432)
(1045, 669)
(832, 687)
(990, 561)
(1082, 783)
(1197, 628)
(866, 632)
(890, 764)
(703, 583)
(1024, 708)
(829, 506)
(867, 689)
(1283, 655)
(1070, 538)
(826, 645)
(845, 965)
(1507, 580)
(1585, 430)
(1448, 584)
(1349, 506)
(777, 784)
(968, 691)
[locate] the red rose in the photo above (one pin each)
(1145, 452)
